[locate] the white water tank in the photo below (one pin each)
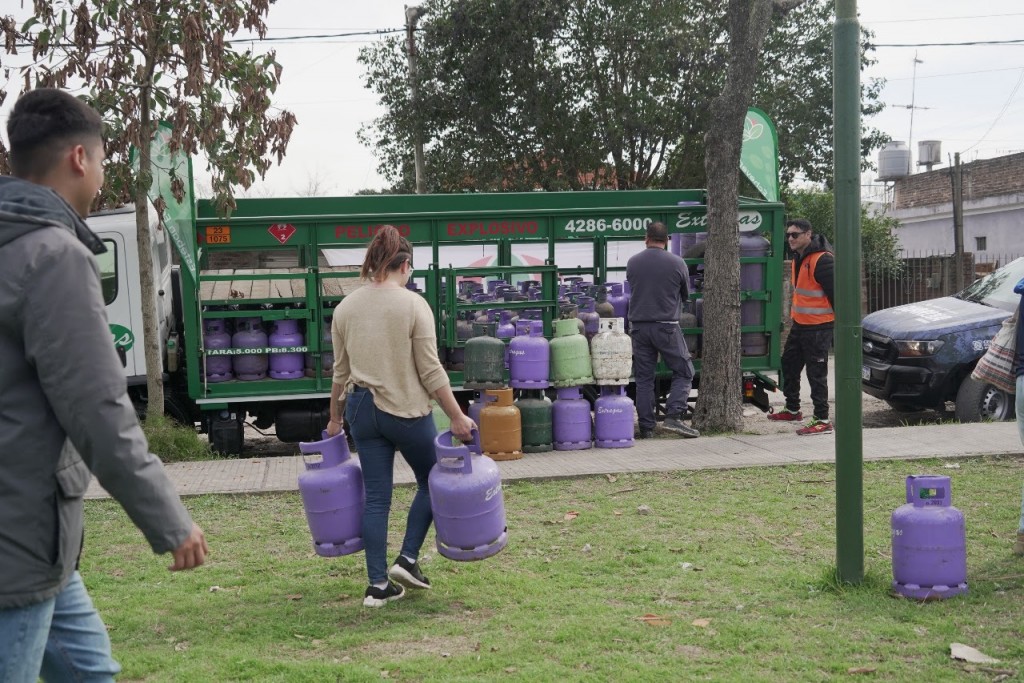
(929, 153)
(894, 161)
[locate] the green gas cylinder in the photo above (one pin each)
(570, 356)
(535, 413)
(485, 359)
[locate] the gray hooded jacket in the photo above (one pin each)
(64, 407)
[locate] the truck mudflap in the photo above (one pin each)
(755, 390)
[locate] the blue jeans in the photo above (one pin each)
(377, 435)
(1020, 430)
(60, 639)
(649, 340)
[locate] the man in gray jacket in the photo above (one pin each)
(659, 281)
(64, 408)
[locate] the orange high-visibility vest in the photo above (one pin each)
(810, 305)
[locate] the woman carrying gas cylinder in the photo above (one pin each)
(386, 370)
(1018, 547)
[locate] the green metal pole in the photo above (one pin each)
(849, 441)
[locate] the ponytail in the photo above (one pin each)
(387, 252)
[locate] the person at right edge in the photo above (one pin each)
(1018, 547)
(659, 283)
(64, 406)
(810, 336)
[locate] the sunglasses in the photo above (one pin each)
(793, 235)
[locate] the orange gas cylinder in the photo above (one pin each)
(501, 432)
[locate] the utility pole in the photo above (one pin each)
(849, 443)
(412, 15)
(957, 175)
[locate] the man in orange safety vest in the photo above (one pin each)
(810, 336)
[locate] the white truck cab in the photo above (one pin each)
(119, 271)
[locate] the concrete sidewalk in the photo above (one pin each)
(259, 475)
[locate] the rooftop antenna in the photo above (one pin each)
(913, 91)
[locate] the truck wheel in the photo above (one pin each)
(977, 401)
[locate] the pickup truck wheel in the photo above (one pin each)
(977, 401)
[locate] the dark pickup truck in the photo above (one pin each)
(920, 356)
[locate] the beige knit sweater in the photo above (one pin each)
(384, 340)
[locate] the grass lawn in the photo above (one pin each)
(736, 566)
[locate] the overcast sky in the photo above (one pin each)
(970, 98)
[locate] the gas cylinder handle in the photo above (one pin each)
(449, 455)
(928, 490)
(333, 451)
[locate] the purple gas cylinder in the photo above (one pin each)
(613, 419)
(249, 334)
(289, 365)
(215, 337)
(619, 300)
(588, 314)
(467, 502)
(571, 424)
(688, 320)
(611, 353)
(929, 542)
(333, 497)
(506, 329)
(752, 279)
(326, 354)
(529, 356)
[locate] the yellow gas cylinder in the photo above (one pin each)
(501, 432)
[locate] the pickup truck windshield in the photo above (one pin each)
(996, 289)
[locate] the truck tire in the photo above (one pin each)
(977, 401)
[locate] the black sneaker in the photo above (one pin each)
(677, 426)
(377, 597)
(408, 573)
(645, 434)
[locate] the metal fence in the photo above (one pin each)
(925, 275)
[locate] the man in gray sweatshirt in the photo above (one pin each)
(659, 282)
(64, 406)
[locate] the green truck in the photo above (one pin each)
(296, 258)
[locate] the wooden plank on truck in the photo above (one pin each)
(299, 283)
(330, 286)
(242, 287)
(280, 289)
(222, 288)
(261, 288)
(206, 288)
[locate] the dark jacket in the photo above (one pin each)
(658, 282)
(824, 273)
(1019, 351)
(64, 407)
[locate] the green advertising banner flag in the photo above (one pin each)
(178, 216)
(759, 156)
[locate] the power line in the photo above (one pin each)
(973, 16)
(1015, 41)
(1001, 111)
(374, 32)
(958, 73)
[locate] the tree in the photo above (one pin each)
(152, 60)
(556, 94)
(748, 25)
